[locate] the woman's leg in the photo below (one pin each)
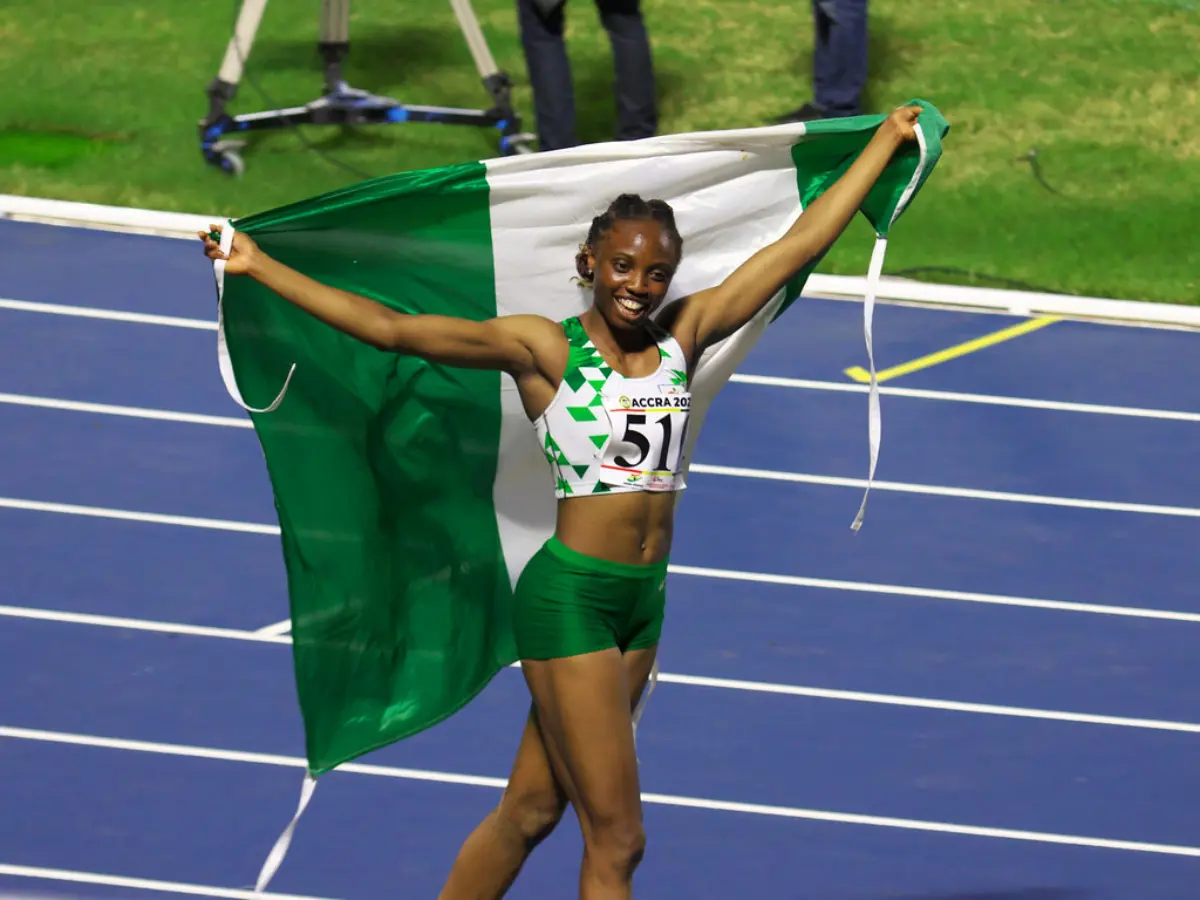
(583, 708)
(549, 74)
(530, 807)
(633, 63)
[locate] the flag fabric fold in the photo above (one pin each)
(410, 495)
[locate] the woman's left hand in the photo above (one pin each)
(901, 125)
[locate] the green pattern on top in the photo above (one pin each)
(585, 376)
(579, 413)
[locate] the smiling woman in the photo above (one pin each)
(607, 393)
(663, 251)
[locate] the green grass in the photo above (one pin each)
(102, 101)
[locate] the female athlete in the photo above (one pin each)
(588, 607)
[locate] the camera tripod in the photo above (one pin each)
(341, 104)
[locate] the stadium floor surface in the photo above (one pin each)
(980, 695)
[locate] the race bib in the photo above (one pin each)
(648, 433)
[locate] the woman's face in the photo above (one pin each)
(632, 270)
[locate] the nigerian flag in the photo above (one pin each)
(410, 495)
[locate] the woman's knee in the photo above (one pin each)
(531, 814)
(617, 844)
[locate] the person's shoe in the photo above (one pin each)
(805, 113)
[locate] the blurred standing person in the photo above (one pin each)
(542, 23)
(839, 61)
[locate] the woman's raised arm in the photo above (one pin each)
(709, 316)
(505, 344)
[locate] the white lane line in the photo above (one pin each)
(935, 594)
(986, 709)
(112, 315)
(757, 809)
(100, 512)
(101, 621)
(697, 571)
(737, 377)
(701, 468)
(940, 491)
(276, 634)
(918, 825)
(242, 756)
(960, 397)
(275, 630)
(138, 884)
(136, 412)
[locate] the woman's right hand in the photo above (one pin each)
(243, 253)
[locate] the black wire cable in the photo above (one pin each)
(972, 274)
(1031, 157)
(1035, 169)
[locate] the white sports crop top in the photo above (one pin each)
(604, 432)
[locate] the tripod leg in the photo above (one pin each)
(482, 55)
(496, 81)
(224, 87)
(334, 42)
(238, 51)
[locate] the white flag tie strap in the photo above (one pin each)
(874, 418)
(279, 851)
(223, 360)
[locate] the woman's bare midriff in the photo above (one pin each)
(633, 528)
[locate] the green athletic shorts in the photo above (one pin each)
(567, 603)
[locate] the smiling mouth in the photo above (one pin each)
(629, 305)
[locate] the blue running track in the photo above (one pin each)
(992, 692)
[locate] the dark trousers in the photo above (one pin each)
(839, 56)
(550, 71)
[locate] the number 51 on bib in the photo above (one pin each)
(648, 434)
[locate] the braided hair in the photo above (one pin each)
(626, 208)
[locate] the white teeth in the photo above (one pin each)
(629, 305)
